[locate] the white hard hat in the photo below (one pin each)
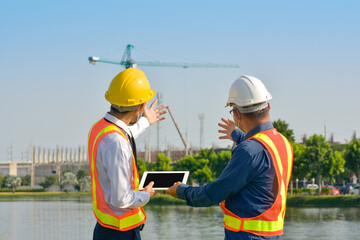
(247, 91)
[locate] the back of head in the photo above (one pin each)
(129, 88)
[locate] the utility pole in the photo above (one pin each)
(149, 148)
(177, 128)
(159, 98)
(10, 153)
(32, 183)
(201, 117)
(354, 136)
(187, 143)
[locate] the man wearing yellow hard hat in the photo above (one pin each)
(117, 201)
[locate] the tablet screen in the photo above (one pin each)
(163, 180)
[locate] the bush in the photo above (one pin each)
(325, 191)
(1, 181)
(49, 181)
(68, 180)
(304, 191)
(22, 190)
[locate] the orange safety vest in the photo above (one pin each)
(270, 222)
(103, 214)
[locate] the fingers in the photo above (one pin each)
(158, 109)
(222, 125)
(223, 131)
(153, 104)
(226, 121)
(160, 119)
(223, 137)
(151, 184)
(161, 113)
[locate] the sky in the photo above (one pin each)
(306, 53)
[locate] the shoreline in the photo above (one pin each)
(162, 199)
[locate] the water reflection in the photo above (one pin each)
(182, 222)
(322, 214)
(58, 219)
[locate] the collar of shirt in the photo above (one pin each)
(118, 123)
(259, 128)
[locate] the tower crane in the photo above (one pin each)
(128, 62)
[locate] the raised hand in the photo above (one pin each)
(228, 128)
(153, 115)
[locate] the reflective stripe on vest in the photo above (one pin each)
(271, 222)
(102, 212)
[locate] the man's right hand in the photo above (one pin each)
(149, 189)
(228, 128)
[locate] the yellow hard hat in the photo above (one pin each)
(129, 88)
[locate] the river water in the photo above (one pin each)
(73, 219)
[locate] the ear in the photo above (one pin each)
(141, 107)
(269, 107)
(237, 113)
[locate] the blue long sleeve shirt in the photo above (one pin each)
(247, 184)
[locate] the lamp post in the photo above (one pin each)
(297, 183)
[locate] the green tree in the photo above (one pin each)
(84, 183)
(215, 163)
(283, 128)
(65, 171)
(67, 180)
(141, 164)
(300, 168)
(81, 173)
(222, 161)
(322, 161)
(191, 164)
(163, 163)
(150, 166)
(13, 182)
(2, 181)
(352, 156)
(26, 180)
(49, 181)
(204, 175)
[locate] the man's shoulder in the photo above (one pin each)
(111, 139)
(251, 146)
(252, 151)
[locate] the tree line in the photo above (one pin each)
(315, 158)
(81, 181)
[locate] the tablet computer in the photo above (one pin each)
(163, 179)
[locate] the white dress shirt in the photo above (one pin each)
(114, 166)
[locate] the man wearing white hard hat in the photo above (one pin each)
(252, 188)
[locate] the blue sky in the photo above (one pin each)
(306, 52)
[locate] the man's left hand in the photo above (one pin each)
(153, 115)
(172, 189)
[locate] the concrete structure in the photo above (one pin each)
(46, 162)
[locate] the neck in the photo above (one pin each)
(125, 117)
(250, 124)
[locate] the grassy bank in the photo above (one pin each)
(162, 199)
(323, 201)
(18, 195)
